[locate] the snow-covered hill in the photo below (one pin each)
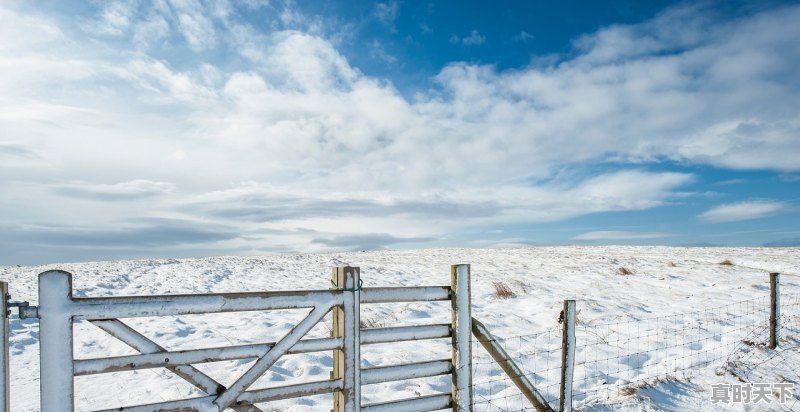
(664, 281)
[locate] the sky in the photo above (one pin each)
(178, 128)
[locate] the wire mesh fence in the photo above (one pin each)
(753, 362)
(616, 359)
(620, 357)
(538, 355)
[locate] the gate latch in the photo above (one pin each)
(25, 310)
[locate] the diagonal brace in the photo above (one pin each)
(509, 367)
(229, 396)
(144, 345)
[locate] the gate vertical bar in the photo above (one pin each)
(5, 401)
(774, 309)
(347, 324)
(55, 341)
(461, 333)
(567, 356)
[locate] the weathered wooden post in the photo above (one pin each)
(55, 341)
(461, 333)
(5, 403)
(774, 309)
(347, 325)
(567, 356)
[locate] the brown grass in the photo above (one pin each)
(726, 262)
(672, 264)
(624, 271)
(633, 388)
(502, 291)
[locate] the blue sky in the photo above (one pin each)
(192, 128)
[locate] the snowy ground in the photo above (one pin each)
(665, 281)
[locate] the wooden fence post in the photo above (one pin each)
(347, 325)
(55, 342)
(5, 404)
(567, 356)
(462, 347)
(774, 309)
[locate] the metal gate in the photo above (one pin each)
(58, 310)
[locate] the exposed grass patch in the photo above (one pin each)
(635, 387)
(672, 264)
(726, 262)
(502, 291)
(624, 271)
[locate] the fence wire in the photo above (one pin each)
(616, 359)
(753, 362)
(539, 356)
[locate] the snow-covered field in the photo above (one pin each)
(665, 281)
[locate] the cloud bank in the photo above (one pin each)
(215, 121)
(734, 212)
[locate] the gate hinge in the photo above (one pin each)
(24, 309)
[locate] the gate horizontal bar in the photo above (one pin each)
(421, 404)
(252, 397)
(290, 391)
(408, 371)
(405, 294)
(193, 404)
(143, 344)
(193, 356)
(404, 333)
(173, 305)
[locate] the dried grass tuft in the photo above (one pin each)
(624, 271)
(502, 291)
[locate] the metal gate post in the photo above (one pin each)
(461, 331)
(347, 324)
(5, 402)
(55, 341)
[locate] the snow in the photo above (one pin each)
(666, 281)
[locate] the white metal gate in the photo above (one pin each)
(58, 309)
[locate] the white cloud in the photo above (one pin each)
(118, 191)
(474, 39)
(387, 12)
(115, 18)
(151, 30)
(377, 51)
(21, 32)
(620, 235)
(195, 24)
(523, 36)
(733, 212)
